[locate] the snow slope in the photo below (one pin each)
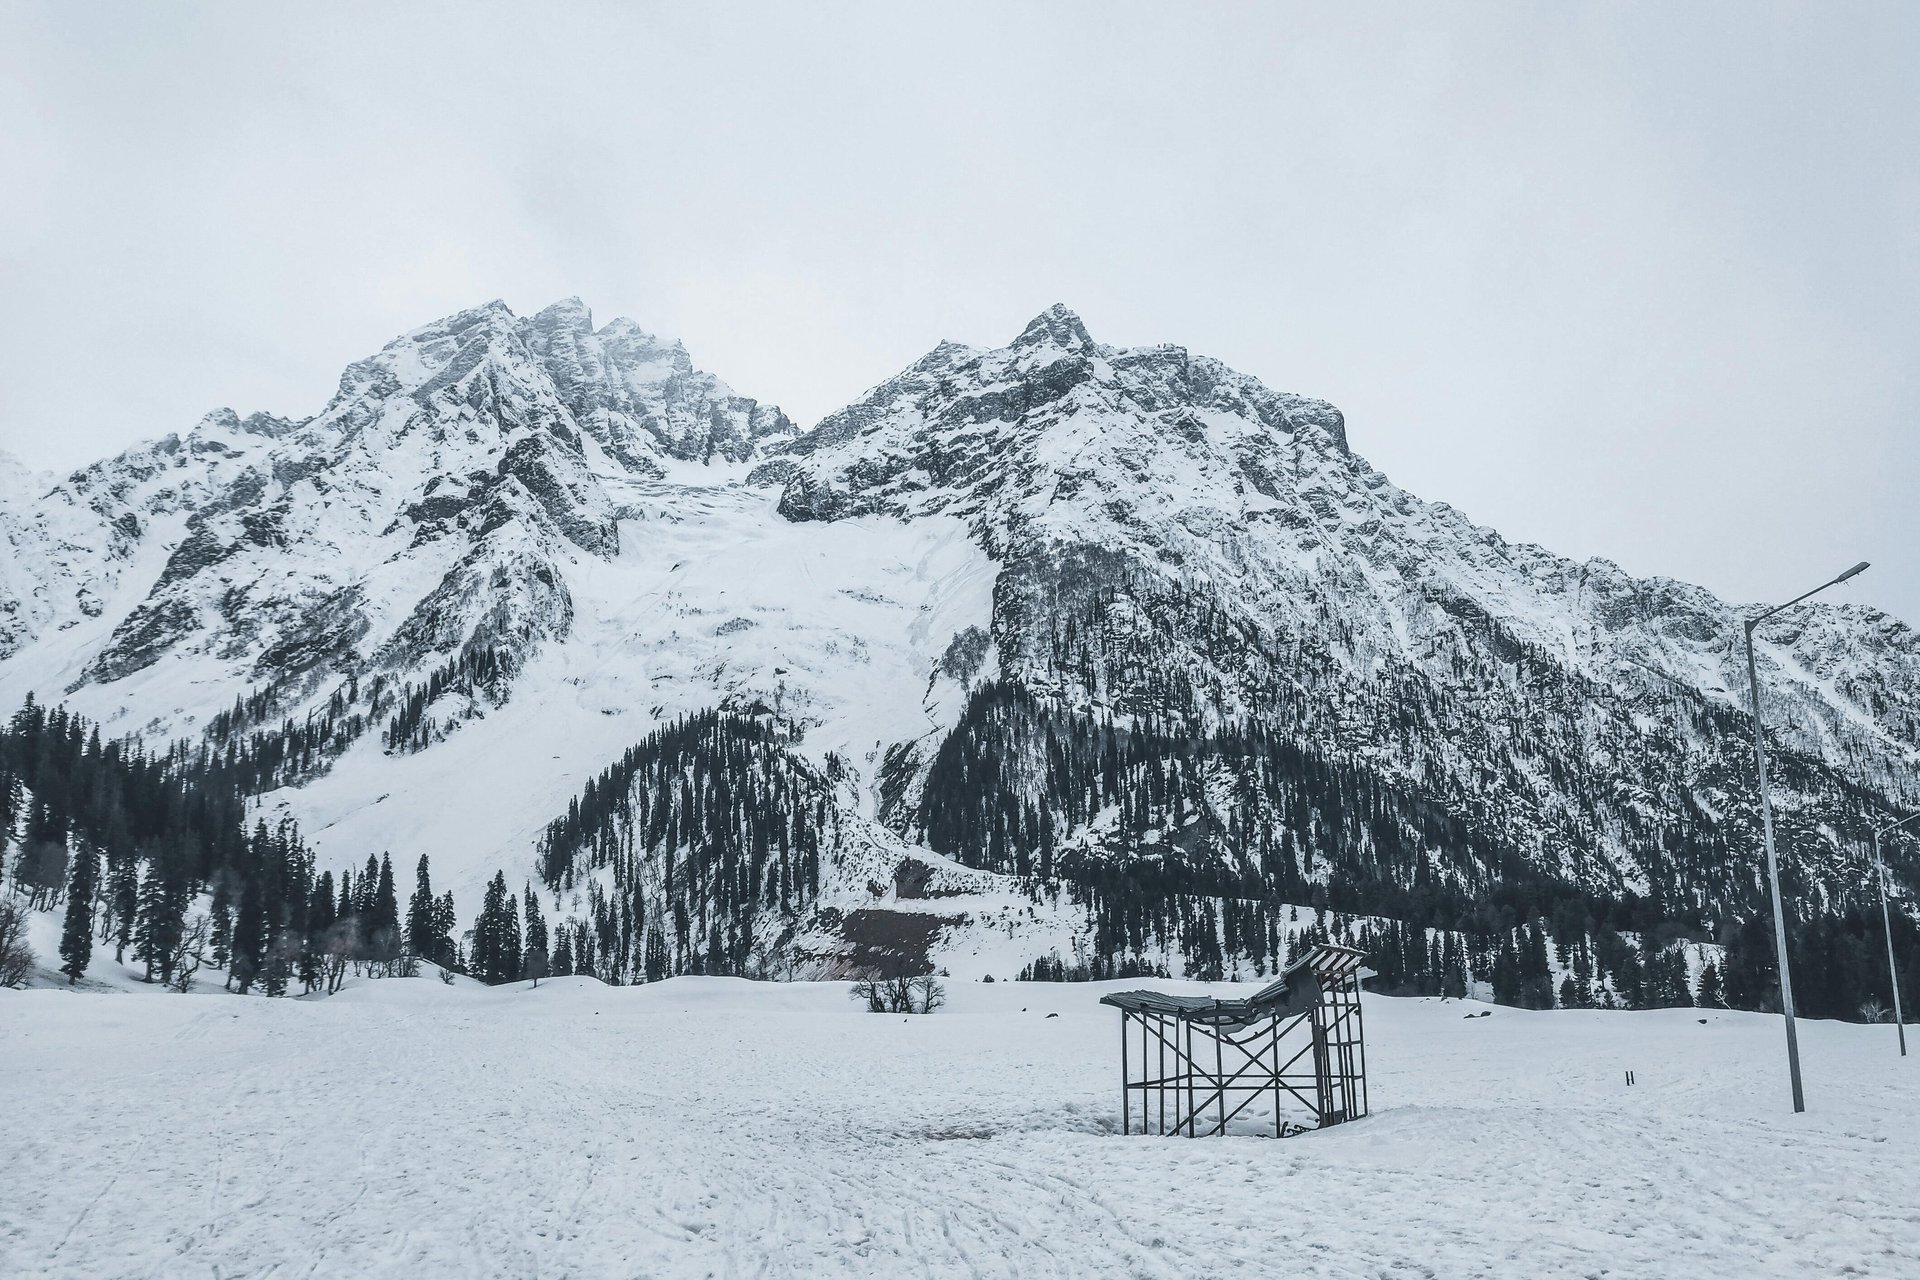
(711, 600)
(713, 1127)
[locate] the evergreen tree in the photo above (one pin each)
(422, 939)
(76, 938)
(220, 938)
(534, 948)
(123, 891)
(510, 963)
(163, 912)
(384, 938)
(1508, 981)
(249, 936)
(316, 931)
(1708, 994)
(1629, 979)
(9, 810)
(1536, 975)
(496, 935)
(365, 901)
(445, 921)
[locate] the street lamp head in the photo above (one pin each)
(1895, 826)
(1857, 569)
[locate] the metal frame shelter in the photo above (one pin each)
(1183, 1059)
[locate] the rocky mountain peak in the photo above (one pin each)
(569, 314)
(1055, 327)
(1058, 429)
(225, 421)
(430, 507)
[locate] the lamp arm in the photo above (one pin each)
(1895, 826)
(1831, 582)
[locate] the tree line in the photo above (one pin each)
(1175, 838)
(152, 856)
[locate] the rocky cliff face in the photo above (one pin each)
(1180, 542)
(1187, 582)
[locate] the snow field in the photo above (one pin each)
(714, 1127)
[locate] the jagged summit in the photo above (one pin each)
(429, 508)
(1056, 327)
(568, 313)
(1053, 427)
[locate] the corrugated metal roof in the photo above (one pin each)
(1296, 991)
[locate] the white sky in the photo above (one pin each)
(1641, 282)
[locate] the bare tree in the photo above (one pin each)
(929, 993)
(189, 954)
(899, 993)
(16, 957)
(341, 945)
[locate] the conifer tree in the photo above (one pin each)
(220, 937)
(163, 910)
(1535, 972)
(365, 888)
(383, 934)
(510, 965)
(316, 931)
(422, 939)
(445, 921)
(123, 891)
(496, 935)
(1508, 982)
(1708, 994)
(76, 938)
(9, 810)
(534, 949)
(1629, 979)
(249, 947)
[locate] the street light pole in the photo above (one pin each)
(1766, 830)
(1886, 920)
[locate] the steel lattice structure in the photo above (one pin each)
(1184, 1059)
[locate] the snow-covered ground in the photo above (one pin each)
(713, 1127)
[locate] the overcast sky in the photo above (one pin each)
(1641, 282)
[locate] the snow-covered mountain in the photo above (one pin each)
(1179, 540)
(1057, 609)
